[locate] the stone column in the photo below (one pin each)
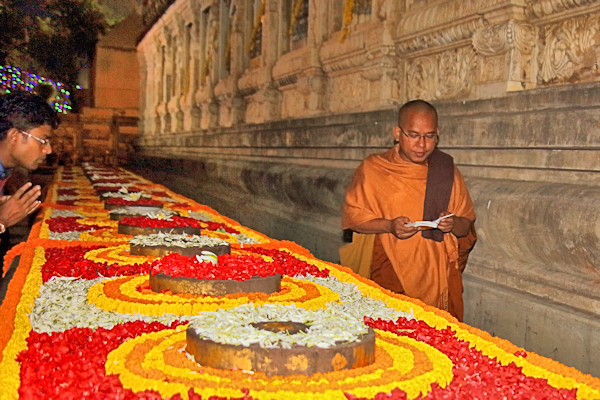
(268, 96)
(161, 83)
(174, 103)
(506, 50)
(383, 68)
(312, 84)
(237, 58)
(210, 107)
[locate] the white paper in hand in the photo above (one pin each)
(428, 224)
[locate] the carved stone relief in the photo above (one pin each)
(570, 50)
(431, 17)
(381, 61)
(440, 37)
(435, 49)
(445, 75)
(312, 87)
(263, 105)
(514, 39)
(542, 8)
(345, 90)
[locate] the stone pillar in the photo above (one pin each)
(175, 70)
(161, 85)
(142, 124)
(312, 83)
(506, 51)
(204, 95)
(267, 96)
(383, 67)
(237, 102)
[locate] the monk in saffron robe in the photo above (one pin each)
(414, 181)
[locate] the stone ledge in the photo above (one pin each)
(533, 234)
(534, 323)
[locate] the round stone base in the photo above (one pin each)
(278, 361)
(134, 212)
(142, 230)
(215, 287)
(108, 206)
(160, 251)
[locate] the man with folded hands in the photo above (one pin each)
(26, 125)
(389, 193)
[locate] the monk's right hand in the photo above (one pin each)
(400, 230)
(22, 203)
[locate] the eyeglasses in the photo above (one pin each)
(44, 142)
(413, 136)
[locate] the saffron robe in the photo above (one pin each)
(387, 186)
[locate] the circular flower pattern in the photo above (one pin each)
(133, 294)
(158, 360)
(237, 327)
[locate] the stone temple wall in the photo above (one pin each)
(262, 110)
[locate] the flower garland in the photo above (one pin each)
(348, 16)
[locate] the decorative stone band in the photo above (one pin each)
(215, 287)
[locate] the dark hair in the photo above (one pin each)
(416, 105)
(24, 110)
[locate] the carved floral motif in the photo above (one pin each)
(428, 48)
(440, 37)
(444, 75)
(513, 39)
(570, 49)
(497, 39)
(542, 8)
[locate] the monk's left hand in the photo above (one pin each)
(447, 224)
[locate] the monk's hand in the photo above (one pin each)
(447, 224)
(22, 203)
(400, 230)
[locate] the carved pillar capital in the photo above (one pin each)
(312, 81)
(509, 49)
(381, 62)
(498, 39)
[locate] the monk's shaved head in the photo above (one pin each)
(418, 106)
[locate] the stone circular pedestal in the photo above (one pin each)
(154, 207)
(124, 229)
(160, 251)
(278, 361)
(215, 287)
(135, 211)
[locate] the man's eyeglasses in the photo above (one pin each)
(413, 136)
(44, 142)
